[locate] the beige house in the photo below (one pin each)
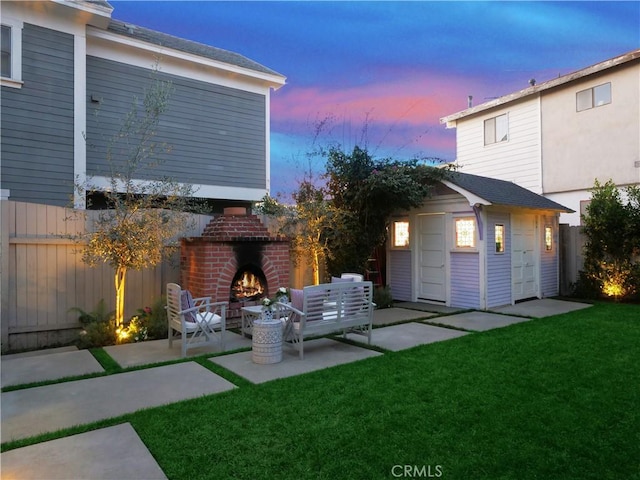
(555, 138)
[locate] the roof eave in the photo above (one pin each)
(450, 120)
(471, 197)
(272, 80)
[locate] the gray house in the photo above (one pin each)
(69, 75)
(476, 243)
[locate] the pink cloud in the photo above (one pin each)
(416, 100)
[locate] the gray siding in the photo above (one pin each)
(549, 262)
(400, 274)
(216, 134)
(465, 280)
(498, 264)
(37, 121)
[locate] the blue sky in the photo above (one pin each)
(396, 67)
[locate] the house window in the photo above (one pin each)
(496, 129)
(11, 48)
(401, 234)
(499, 234)
(593, 97)
(5, 46)
(465, 233)
(548, 238)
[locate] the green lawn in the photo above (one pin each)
(556, 398)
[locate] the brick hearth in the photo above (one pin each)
(230, 242)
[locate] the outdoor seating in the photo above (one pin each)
(198, 321)
(328, 308)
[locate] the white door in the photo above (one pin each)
(524, 264)
(432, 282)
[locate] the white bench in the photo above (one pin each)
(330, 308)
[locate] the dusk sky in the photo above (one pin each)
(394, 67)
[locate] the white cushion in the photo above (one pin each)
(209, 318)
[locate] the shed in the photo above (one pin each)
(477, 242)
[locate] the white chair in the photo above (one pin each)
(198, 321)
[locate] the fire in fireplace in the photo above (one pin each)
(249, 283)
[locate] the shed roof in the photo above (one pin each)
(491, 191)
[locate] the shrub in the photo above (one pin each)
(97, 334)
(98, 314)
(382, 297)
(611, 226)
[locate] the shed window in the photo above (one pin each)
(496, 129)
(548, 238)
(499, 234)
(400, 234)
(465, 233)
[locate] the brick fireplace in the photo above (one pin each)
(235, 260)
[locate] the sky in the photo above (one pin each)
(380, 74)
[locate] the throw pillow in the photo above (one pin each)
(186, 302)
(297, 297)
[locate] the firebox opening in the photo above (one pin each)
(249, 283)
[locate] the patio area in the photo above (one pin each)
(47, 408)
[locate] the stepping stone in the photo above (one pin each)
(479, 321)
(156, 351)
(49, 408)
(387, 316)
(108, 453)
(318, 354)
(408, 335)
(18, 370)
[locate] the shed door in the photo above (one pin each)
(432, 258)
(524, 265)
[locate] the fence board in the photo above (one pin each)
(46, 276)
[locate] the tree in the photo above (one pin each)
(612, 228)
(140, 218)
(305, 223)
(364, 193)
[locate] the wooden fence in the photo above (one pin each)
(42, 276)
(572, 242)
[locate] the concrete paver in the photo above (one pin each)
(318, 354)
(105, 454)
(156, 351)
(48, 408)
(408, 335)
(479, 321)
(37, 368)
(544, 307)
(389, 316)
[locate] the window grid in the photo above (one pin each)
(465, 233)
(548, 238)
(499, 234)
(401, 234)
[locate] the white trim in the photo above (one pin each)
(16, 25)
(472, 198)
(199, 190)
(80, 117)
(5, 193)
(267, 136)
(122, 49)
